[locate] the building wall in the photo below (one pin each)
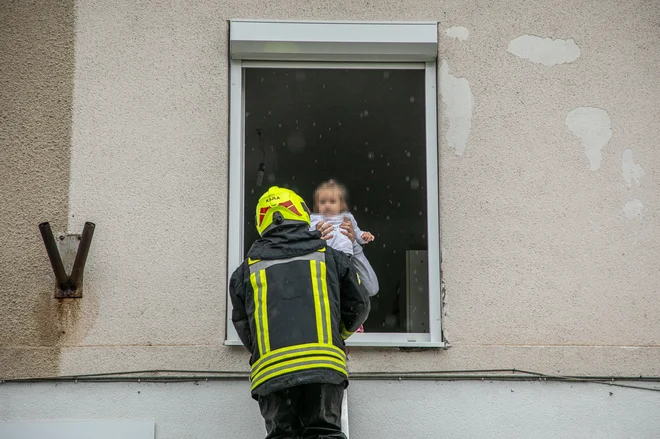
(548, 183)
(36, 91)
(424, 410)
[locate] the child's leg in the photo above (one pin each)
(320, 411)
(280, 413)
(364, 269)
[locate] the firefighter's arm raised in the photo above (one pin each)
(239, 316)
(355, 305)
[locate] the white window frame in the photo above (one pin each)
(336, 45)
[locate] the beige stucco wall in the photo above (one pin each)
(36, 91)
(545, 267)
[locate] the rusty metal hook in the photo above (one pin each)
(68, 286)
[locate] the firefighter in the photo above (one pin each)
(295, 301)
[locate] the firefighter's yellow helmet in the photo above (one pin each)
(278, 206)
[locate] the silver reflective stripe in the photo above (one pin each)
(263, 264)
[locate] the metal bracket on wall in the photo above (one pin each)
(66, 246)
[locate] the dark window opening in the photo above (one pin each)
(366, 129)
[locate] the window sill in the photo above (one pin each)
(382, 339)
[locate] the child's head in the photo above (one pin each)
(330, 198)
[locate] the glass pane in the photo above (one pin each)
(366, 129)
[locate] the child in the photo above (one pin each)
(330, 205)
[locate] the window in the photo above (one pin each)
(355, 102)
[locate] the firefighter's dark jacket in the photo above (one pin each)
(295, 301)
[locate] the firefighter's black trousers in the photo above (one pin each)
(307, 411)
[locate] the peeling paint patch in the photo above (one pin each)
(544, 51)
(459, 104)
(631, 170)
(458, 32)
(592, 126)
(633, 209)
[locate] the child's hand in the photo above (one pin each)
(367, 237)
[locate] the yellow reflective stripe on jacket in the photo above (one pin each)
(344, 332)
(296, 365)
(258, 281)
(326, 304)
(321, 301)
(264, 311)
(307, 349)
(317, 302)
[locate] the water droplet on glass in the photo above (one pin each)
(366, 209)
(320, 135)
(269, 113)
(366, 112)
(271, 178)
(247, 114)
(391, 202)
(407, 153)
(367, 188)
(370, 155)
(388, 163)
(262, 79)
(279, 125)
(372, 171)
(407, 178)
(398, 204)
(420, 213)
(252, 191)
(313, 124)
(412, 99)
(323, 85)
(383, 245)
(393, 251)
(387, 218)
(414, 184)
(355, 208)
(329, 128)
(339, 123)
(386, 75)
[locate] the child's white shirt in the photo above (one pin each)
(339, 241)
